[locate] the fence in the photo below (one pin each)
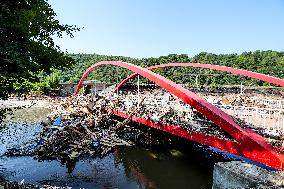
(279, 104)
(271, 119)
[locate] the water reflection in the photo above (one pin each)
(89, 173)
(153, 169)
(128, 167)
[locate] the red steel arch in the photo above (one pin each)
(255, 75)
(249, 144)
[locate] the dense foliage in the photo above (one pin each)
(27, 47)
(267, 62)
(46, 84)
(28, 56)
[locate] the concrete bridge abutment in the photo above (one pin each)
(236, 175)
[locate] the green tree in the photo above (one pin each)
(27, 46)
(267, 62)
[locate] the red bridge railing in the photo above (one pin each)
(248, 143)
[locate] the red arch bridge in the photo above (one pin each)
(243, 141)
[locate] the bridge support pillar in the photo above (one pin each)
(236, 174)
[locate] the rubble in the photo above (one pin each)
(83, 126)
(86, 126)
(182, 115)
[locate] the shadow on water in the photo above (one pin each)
(185, 165)
(128, 167)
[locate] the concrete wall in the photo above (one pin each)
(235, 174)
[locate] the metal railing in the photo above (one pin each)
(271, 119)
(279, 104)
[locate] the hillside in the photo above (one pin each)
(267, 62)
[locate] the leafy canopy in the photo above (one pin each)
(267, 62)
(27, 46)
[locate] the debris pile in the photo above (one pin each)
(247, 100)
(81, 126)
(162, 107)
(85, 126)
(169, 110)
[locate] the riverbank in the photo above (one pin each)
(15, 102)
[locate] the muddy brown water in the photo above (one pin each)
(127, 167)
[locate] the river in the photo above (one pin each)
(127, 167)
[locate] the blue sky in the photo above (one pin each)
(152, 28)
